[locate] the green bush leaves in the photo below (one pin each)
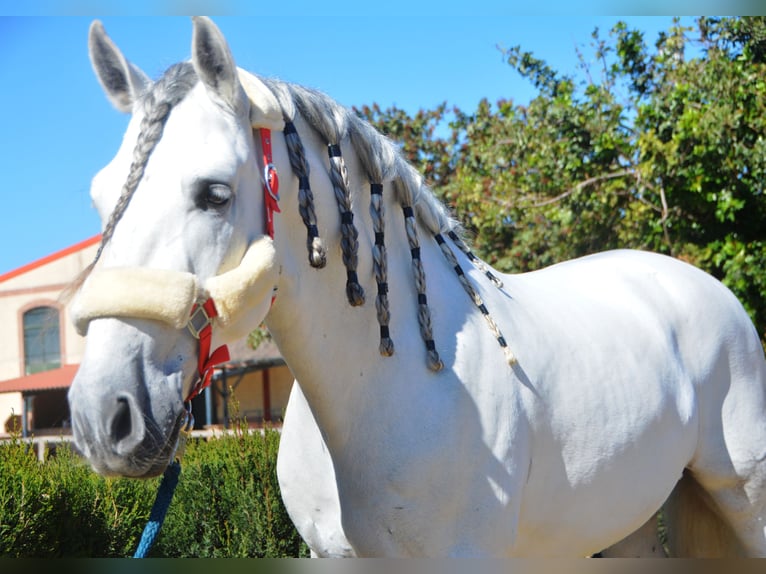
(227, 504)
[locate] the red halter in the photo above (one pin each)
(201, 319)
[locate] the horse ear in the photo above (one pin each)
(214, 63)
(122, 81)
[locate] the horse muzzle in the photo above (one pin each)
(124, 425)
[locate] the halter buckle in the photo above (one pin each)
(198, 320)
(271, 179)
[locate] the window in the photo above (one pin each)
(42, 348)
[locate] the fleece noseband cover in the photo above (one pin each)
(168, 296)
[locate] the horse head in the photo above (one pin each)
(183, 222)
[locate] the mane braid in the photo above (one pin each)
(349, 242)
(317, 252)
(376, 155)
(380, 265)
(330, 121)
(478, 263)
(424, 312)
(475, 297)
(297, 155)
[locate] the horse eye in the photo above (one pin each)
(218, 194)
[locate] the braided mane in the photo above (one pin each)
(381, 161)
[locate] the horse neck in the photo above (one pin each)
(333, 348)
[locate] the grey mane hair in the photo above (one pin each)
(376, 152)
(156, 103)
(430, 211)
(321, 112)
(283, 95)
(381, 162)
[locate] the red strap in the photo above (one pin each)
(271, 182)
(205, 360)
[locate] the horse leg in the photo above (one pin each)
(307, 481)
(643, 543)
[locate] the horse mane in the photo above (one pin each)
(380, 157)
(382, 162)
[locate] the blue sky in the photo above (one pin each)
(58, 129)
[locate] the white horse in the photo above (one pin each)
(550, 415)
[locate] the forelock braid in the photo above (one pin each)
(157, 104)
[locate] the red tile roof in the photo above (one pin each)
(60, 378)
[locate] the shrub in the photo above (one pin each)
(227, 504)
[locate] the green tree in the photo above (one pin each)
(433, 154)
(701, 141)
(659, 147)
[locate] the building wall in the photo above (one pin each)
(40, 283)
(248, 394)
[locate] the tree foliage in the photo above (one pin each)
(659, 147)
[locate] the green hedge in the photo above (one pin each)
(227, 504)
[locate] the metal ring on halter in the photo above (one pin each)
(268, 170)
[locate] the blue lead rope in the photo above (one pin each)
(159, 509)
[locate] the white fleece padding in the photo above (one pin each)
(136, 292)
(168, 296)
(245, 286)
(265, 111)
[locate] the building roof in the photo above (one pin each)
(60, 378)
(50, 258)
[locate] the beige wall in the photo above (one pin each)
(249, 394)
(42, 285)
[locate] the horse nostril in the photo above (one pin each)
(121, 421)
(125, 428)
